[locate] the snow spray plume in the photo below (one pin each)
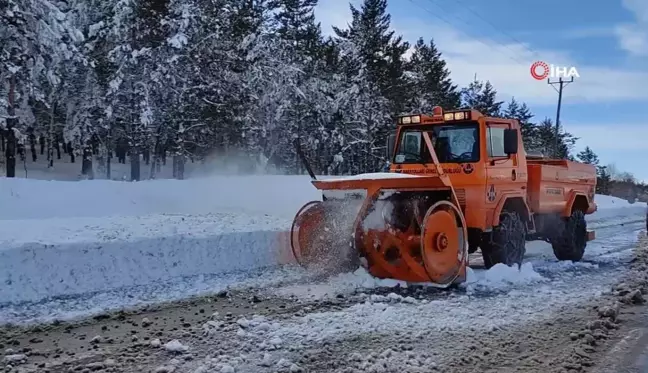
(233, 162)
(332, 244)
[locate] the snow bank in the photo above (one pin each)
(72, 238)
(78, 238)
(279, 196)
(613, 210)
(47, 258)
(273, 195)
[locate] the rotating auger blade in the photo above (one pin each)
(321, 238)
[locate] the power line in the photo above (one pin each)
(503, 32)
(460, 30)
(495, 27)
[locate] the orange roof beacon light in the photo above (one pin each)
(437, 112)
(412, 224)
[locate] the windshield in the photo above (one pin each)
(454, 143)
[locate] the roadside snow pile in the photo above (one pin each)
(278, 196)
(613, 210)
(61, 238)
(62, 257)
(72, 239)
(501, 277)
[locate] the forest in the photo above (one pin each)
(147, 80)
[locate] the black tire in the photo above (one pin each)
(506, 243)
(571, 239)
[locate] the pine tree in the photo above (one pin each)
(588, 156)
(512, 109)
(481, 97)
(296, 23)
(546, 139)
(431, 83)
(37, 42)
(523, 115)
(248, 17)
(380, 50)
(303, 48)
(396, 86)
(603, 181)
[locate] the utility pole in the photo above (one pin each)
(561, 84)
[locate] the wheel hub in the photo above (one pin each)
(441, 242)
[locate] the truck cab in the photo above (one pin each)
(497, 183)
(484, 157)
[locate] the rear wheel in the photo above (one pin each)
(571, 238)
(506, 243)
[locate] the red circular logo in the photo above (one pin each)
(544, 70)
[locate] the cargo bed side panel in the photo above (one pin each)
(550, 185)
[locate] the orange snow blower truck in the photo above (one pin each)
(458, 181)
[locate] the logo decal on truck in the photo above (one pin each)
(491, 193)
(468, 168)
(431, 170)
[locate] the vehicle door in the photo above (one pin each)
(500, 168)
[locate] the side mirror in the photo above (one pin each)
(391, 144)
(510, 141)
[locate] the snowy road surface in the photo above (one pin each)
(524, 322)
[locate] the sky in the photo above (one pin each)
(498, 40)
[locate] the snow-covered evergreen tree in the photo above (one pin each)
(482, 97)
(236, 81)
(523, 115)
(431, 84)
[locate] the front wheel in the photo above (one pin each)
(571, 239)
(506, 243)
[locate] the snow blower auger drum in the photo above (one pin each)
(406, 228)
(320, 238)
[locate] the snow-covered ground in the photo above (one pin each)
(278, 196)
(73, 248)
